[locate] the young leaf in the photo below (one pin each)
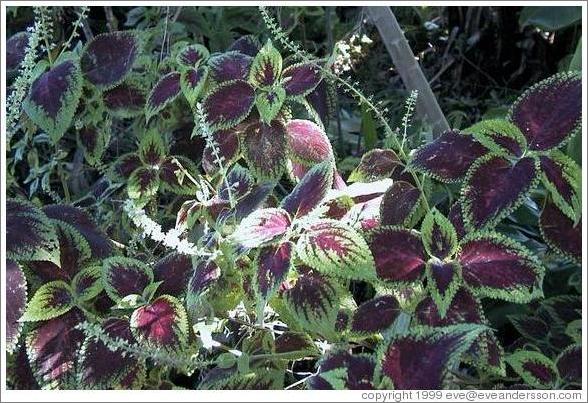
(264, 148)
(261, 226)
(398, 254)
(108, 58)
(448, 157)
(165, 91)
(143, 183)
(439, 236)
(495, 187)
(266, 67)
(443, 281)
(273, 263)
(399, 204)
(163, 323)
(499, 136)
(300, 79)
(269, 103)
(124, 276)
(375, 315)
(307, 142)
(561, 234)
(53, 98)
(192, 56)
(550, 112)
(336, 249)
(230, 66)
(536, 369)
(497, 267)
(376, 164)
(192, 81)
(562, 177)
(229, 104)
(16, 300)
(152, 148)
(310, 191)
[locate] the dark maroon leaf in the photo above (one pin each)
(247, 44)
(273, 265)
(549, 112)
(464, 308)
(307, 142)
(495, 187)
(455, 216)
(205, 273)
(165, 91)
(16, 300)
(264, 148)
(443, 275)
(228, 149)
(321, 102)
(399, 203)
(556, 177)
(375, 315)
(173, 177)
(569, 364)
(125, 165)
(16, 46)
(310, 191)
(561, 233)
(174, 270)
(162, 323)
(124, 100)
(299, 345)
(230, 66)
(124, 276)
(239, 181)
(531, 327)
(108, 58)
(300, 79)
(398, 253)
(448, 157)
(20, 375)
(357, 372)
(193, 55)
(229, 104)
(376, 164)
(252, 200)
(561, 309)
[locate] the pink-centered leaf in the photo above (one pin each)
(307, 142)
(162, 323)
(261, 226)
(273, 264)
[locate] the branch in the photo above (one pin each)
(410, 72)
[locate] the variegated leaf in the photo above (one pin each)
(163, 93)
(269, 103)
(264, 148)
(534, 368)
(267, 66)
(310, 191)
(229, 104)
(376, 164)
(439, 236)
(261, 226)
(300, 79)
(125, 276)
(16, 300)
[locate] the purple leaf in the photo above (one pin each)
(16, 299)
(497, 267)
(300, 79)
(264, 148)
(273, 265)
(193, 55)
(230, 66)
(165, 91)
(174, 271)
(536, 369)
(124, 276)
(261, 226)
(376, 164)
(205, 273)
(562, 177)
(125, 165)
(310, 191)
(530, 327)
(398, 253)
(253, 200)
(321, 102)
(439, 236)
(240, 182)
(560, 233)
(464, 308)
(228, 104)
(16, 47)
(455, 216)
(307, 142)
(94, 140)
(124, 100)
(192, 81)
(342, 370)
(20, 375)
(267, 66)
(399, 203)
(443, 281)
(549, 113)
(495, 187)
(228, 147)
(569, 364)
(108, 58)
(448, 157)
(375, 315)
(247, 44)
(162, 323)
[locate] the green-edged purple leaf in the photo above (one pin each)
(342, 370)
(499, 136)
(228, 148)
(124, 166)
(108, 58)
(99, 244)
(192, 56)
(253, 200)
(307, 142)
(375, 315)
(53, 349)
(560, 233)
(314, 302)
(20, 375)
(530, 327)
(264, 147)
(398, 253)
(239, 182)
(16, 300)
(99, 366)
(443, 281)
(495, 187)
(455, 216)
(247, 44)
(399, 203)
(487, 354)
(53, 98)
(561, 309)
(125, 276)
(143, 183)
(569, 364)
(310, 191)
(165, 91)
(205, 273)
(422, 359)
(448, 157)
(266, 67)
(162, 323)
(125, 100)
(295, 346)
(30, 235)
(464, 308)
(173, 271)
(269, 103)
(439, 236)
(261, 226)
(534, 368)
(192, 81)
(550, 112)
(230, 66)
(300, 79)
(87, 284)
(336, 249)
(497, 267)
(93, 140)
(173, 177)
(562, 177)
(228, 104)
(16, 47)
(320, 101)
(376, 164)
(152, 148)
(273, 263)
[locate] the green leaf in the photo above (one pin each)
(536, 369)
(87, 284)
(487, 131)
(368, 128)
(152, 148)
(269, 103)
(550, 18)
(50, 301)
(266, 67)
(192, 81)
(439, 236)
(576, 62)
